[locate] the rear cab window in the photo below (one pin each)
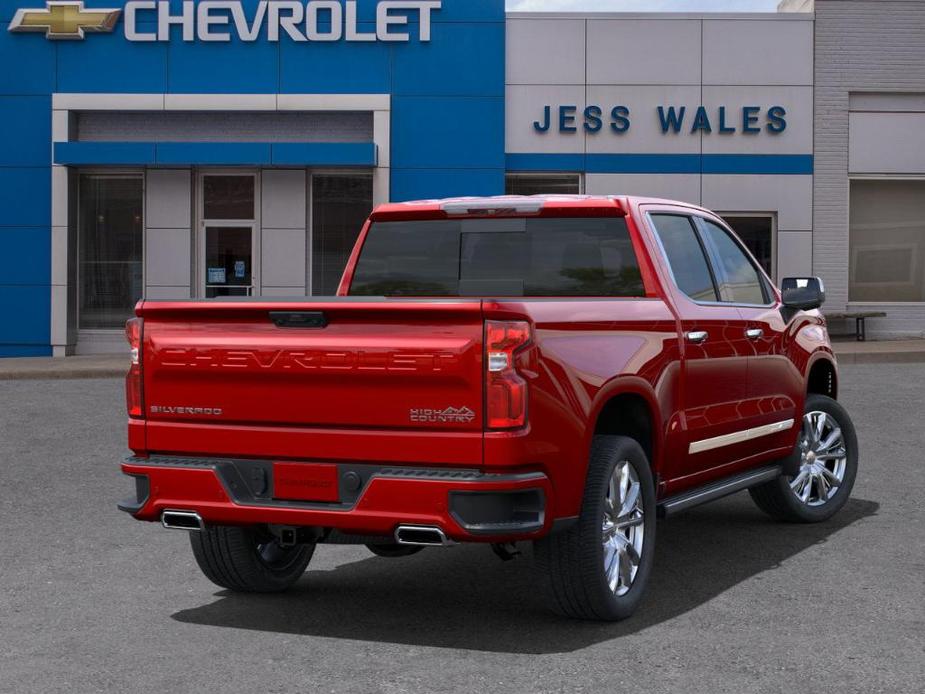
(530, 257)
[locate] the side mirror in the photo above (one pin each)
(803, 293)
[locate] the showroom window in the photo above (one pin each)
(340, 205)
(757, 233)
(886, 238)
(542, 184)
(110, 233)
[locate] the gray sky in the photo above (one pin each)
(644, 5)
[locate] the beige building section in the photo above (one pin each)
(645, 60)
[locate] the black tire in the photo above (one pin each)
(393, 550)
(249, 559)
(571, 562)
(778, 500)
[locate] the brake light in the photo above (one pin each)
(133, 380)
(506, 390)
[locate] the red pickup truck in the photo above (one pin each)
(560, 370)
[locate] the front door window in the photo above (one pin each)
(737, 279)
(757, 233)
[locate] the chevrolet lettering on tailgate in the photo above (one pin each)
(282, 360)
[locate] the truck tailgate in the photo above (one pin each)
(412, 365)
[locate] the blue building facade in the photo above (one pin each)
(444, 96)
(176, 149)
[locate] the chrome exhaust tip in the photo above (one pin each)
(421, 536)
(182, 520)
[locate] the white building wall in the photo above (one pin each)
(886, 141)
(284, 236)
(643, 61)
(168, 233)
(870, 56)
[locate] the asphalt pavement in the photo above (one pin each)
(91, 600)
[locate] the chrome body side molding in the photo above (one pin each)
(739, 436)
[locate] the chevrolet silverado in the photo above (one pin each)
(558, 370)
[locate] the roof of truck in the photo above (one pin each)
(513, 205)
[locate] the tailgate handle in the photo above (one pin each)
(298, 319)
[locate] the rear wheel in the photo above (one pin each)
(249, 559)
(599, 568)
(828, 451)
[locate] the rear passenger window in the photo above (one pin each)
(685, 256)
(736, 275)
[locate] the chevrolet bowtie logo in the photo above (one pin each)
(64, 19)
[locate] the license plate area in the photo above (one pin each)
(305, 482)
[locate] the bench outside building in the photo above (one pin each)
(859, 317)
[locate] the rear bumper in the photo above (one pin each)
(468, 505)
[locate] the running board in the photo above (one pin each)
(715, 490)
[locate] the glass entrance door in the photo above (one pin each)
(229, 261)
(228, 246)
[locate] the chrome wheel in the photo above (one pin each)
(823, 459)
(622, 529)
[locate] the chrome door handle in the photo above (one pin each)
(697, 336)
(754, 333)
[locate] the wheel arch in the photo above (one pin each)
(822, 376)
(628, 407)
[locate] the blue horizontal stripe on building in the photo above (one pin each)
(753, 164)
(222, 153)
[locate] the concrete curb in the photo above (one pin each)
(60, 374)
(82, 367)
(880, 357)
(880, 352)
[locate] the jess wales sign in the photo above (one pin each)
(671, 119)
(220, 20)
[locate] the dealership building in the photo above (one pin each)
(174, 150)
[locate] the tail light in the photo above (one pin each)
(133, 381)
(506, 390)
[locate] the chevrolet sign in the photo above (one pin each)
(222, 20)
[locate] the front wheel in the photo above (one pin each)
(828, 450)
(598, 569)
(250, 559)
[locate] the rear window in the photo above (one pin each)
(499, 257)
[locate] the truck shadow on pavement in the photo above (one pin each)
(465, 598)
